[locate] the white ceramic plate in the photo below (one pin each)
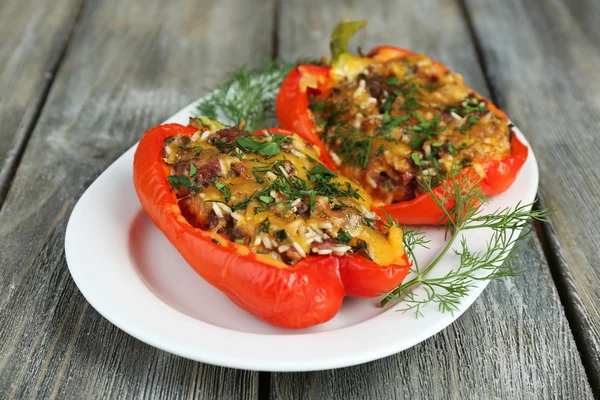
(136, 279)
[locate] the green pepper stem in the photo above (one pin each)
(341, 35)
(206, 122)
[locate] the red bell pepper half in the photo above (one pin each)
(292, 110)
(292, 296)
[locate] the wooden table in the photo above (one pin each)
(80, 80)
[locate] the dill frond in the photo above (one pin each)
(462, 201)
(248, 96)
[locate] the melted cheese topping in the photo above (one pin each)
(271, 194)
(385, 121)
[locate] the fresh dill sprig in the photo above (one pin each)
(462, 200)
(248, 96)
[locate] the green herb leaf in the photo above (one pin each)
(415, 158)
(193, 170)
(391, 123)
(264, 226)
(265, 148)
(343, 236)
(177, 181)
(320, 174)
(225, 190)
(281, 235)
(258, 171)
(265, 199)
(280, 139)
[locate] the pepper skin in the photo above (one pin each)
(292, 110)
(305, 294)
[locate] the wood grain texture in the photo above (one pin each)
(515, 341)
(544, 63)
(33, 38)
(130, 65)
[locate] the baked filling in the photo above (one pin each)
(270, 193)
(385, 123)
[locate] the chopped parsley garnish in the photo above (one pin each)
(331, 109)
(470, 122)
(225, 190)
(453, 149)
(280, 139)
(387, 106)
(415, 158)
(281, 235)
(361, 248)
(343, 237)
(237, 153)
(424, 130)
(193, 170)
(292, 187)
(265, 199)
(390, 123)
(474, 105)
(264, 226)
(411, 100)
(352, 145)
(370, 222)
(320, 174)
(257, 171)
(177, 181)
(264, 148)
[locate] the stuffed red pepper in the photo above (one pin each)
(261, 219)
(392, 117)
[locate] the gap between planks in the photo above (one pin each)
(544, 231)
(13, 159)
(264, 385)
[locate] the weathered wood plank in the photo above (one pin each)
(34, 36)
(130, 65)
(544, 63)
(515, 341)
